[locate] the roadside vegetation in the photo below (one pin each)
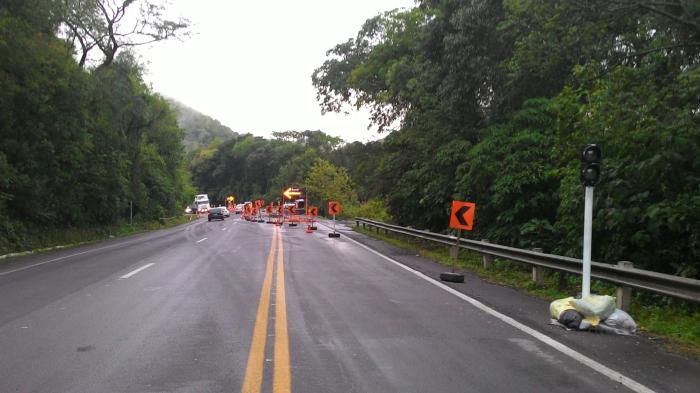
(83, 137)
(43, 239)
(675, 323)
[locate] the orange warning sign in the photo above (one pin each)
(268, 209)
(333, 208)
(462, 215)
(313, 211)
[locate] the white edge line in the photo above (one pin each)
(583, 359)
(144, 267)
(201, 240)
(73, 255)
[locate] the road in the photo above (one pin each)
(236, 306)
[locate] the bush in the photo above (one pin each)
(375, 209)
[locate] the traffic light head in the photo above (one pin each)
(590, 165)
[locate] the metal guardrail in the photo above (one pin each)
(666, 284)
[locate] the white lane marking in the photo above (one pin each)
(201, 240)
(579, 357)
(75, 255)
(144, 267)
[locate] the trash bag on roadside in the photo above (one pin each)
(558, 306)
(595, 306)
(621, 322)
(571, 319)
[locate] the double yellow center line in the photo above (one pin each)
(282, 380)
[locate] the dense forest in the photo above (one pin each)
(494, 101)
(80, 142)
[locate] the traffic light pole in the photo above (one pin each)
(587, 240)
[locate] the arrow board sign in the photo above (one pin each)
(462, 215)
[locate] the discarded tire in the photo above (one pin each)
(334, 235)
(452, 277)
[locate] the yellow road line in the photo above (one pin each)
(282, 379)
(256, 357)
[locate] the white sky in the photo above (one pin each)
(249, 63)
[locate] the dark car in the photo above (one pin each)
(216, 213)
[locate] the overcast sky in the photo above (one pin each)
(249, 63)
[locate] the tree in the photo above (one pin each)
(104, 24)
(326, 182)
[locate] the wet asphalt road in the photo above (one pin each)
(236, 306)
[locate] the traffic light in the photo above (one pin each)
(590, 165)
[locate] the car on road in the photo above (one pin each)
(239, 208)
(216, 213)
(225, 211)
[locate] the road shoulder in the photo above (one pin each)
(638, 357)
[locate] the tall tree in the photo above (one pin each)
(104, 24)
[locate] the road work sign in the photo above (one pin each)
(313, 211)
(462, 216)
(333, 208)
(291, 193)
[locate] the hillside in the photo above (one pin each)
(200, 129)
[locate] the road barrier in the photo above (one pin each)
(624, 275)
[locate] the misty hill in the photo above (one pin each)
(200, 129)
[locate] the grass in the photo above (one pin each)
(675, 323)
(38, 239)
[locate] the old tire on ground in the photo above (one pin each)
(452, 277)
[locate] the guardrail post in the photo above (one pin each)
(357, 223)
(487, 260)
(538, 272)
(364, 226)
(624, 294)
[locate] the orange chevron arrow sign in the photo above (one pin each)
(462, 215)
(333, 208)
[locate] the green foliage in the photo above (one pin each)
(325, 182)
(512, 177)
(247, 167)
(375, 209)
(495, 101)
(78, 146)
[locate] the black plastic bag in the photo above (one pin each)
(571, 319)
